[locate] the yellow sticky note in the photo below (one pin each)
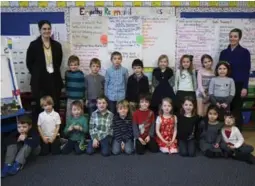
(232, 4)
(155, 3)
(80, 3)
(23, 3)
(61, 4)
(42, 4)
(5, 3)
(99, 3)
(251, 4)
(175, 3)
(137, 3)
(213, 3)
(194, 3)
(118, 4)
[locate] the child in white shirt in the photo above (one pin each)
(185, 80)
(48, 126)
(233, 142)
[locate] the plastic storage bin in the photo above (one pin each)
(246, 117)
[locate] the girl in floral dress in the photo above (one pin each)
(166, 128)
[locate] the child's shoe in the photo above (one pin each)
(5, 170)
(15, 168)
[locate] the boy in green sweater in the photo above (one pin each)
(76, 129)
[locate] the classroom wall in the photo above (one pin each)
(151, 9)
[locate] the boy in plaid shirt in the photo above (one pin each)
(100, 128)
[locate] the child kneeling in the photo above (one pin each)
(20, 145)
(143, 127)
(76, 130)
(100, 129)
(122, 130)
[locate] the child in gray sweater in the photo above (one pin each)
(94, 84)
(222, 88)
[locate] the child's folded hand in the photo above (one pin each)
(218, 105)
(224, 105)
(147, 139)
(76, 127)
(70, 128)
(216, 145)
(95, 143)
(142, 141)
(45, 139)
(122, 146)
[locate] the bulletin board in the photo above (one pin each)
(172, 16)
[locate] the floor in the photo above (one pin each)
(148, 170)
(249, 137)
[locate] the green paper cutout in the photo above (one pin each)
(139, 39)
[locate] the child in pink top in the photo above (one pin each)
(204, 76)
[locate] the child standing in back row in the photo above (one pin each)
(185, 80)
(204, 75)
(222, 88)
(115, 81)
(75, 85)
(162, 83)
(137, 85)
(94, 85)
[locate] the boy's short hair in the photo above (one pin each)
(77, 104)
(73, 58)
(25, 119)
(137, 63)
(145, 97)
(46, 100)
(95, 61)
(102, 98)
(116, 53)
(123, 103)
(239, 31)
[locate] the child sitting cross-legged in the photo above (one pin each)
(20, 145)
(100, 128)
(76, 130)
(122, 130)
(233, 142)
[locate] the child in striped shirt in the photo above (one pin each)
(122, 129)
(100, 128)
(75, 83)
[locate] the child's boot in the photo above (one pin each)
(5, 170)
(15, 168)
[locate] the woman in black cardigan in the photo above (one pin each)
(44, 58)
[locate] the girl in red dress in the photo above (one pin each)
(166, 128)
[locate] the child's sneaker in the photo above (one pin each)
(15, 168)
(5, 170)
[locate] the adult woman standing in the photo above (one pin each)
(239, 59)
(44, 58)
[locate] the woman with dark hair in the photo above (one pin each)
(239, 59)
(44, 58)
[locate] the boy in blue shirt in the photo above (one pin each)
(115, 81)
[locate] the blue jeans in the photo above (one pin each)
(92, 106)
(72, 145)
(128, 149)
(104, 145)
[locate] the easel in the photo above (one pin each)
(11, 106)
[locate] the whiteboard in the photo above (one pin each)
(210, 36)
(6, 80)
